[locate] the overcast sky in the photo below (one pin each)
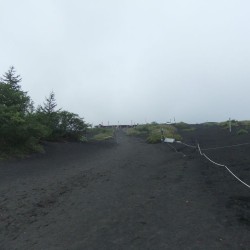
(132, 60)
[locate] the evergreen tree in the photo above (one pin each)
(19, 128)
(50, 104)
(22, 127)
(11, 78)
(11, 94)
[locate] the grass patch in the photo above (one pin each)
(140, 131)
(184, 127)
(102, 137)
(99, 134)
(245, 123)
(225, 124)
(20, 151)
(154, 138)
(189, 129)
(153, 132)
(210, 124)
(242, 132)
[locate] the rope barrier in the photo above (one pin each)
(221, 165)
(199, 149)
(236, 177)
(215, 163)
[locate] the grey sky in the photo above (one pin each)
(132, 60)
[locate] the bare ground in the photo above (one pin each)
(129, 195)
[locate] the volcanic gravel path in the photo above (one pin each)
(129, 195)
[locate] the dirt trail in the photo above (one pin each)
(129, 195)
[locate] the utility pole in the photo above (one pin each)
(230, 125)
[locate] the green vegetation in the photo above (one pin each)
(153, 132)
(245, 125)
(184, 127)
(210, 124)
(242, 132)
(100, 134)
(22, 127)
(225, 124)
(61, 124)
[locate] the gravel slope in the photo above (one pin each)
(129, 195)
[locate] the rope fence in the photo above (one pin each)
(222, 165)
(210, 160)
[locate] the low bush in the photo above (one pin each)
(99, 134)
(242, 132)
(189, 129)
(182, 125)
(153, 132)
(154, 138)
(102, 137)
(209, 124)
(225, 124)
(137, 131)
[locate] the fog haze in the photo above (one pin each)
(138, 61)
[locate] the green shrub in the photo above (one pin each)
(189, 129)
(102, 137)
(182, 125)
(137, 132)
(153, 132)
(100, 134)
(225, 124)
(154, 138)
(242, 132)
(245, 123)
(143, 128)
(175, 136)
(210, 124)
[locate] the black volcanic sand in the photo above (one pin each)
(129, 195)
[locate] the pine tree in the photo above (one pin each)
(12, 79)
(49, 104)
(11, 94)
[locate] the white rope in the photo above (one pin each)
(199, 149)
(236, 177)
(218, 164)
(221, 165)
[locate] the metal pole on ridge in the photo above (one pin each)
(230, 125)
